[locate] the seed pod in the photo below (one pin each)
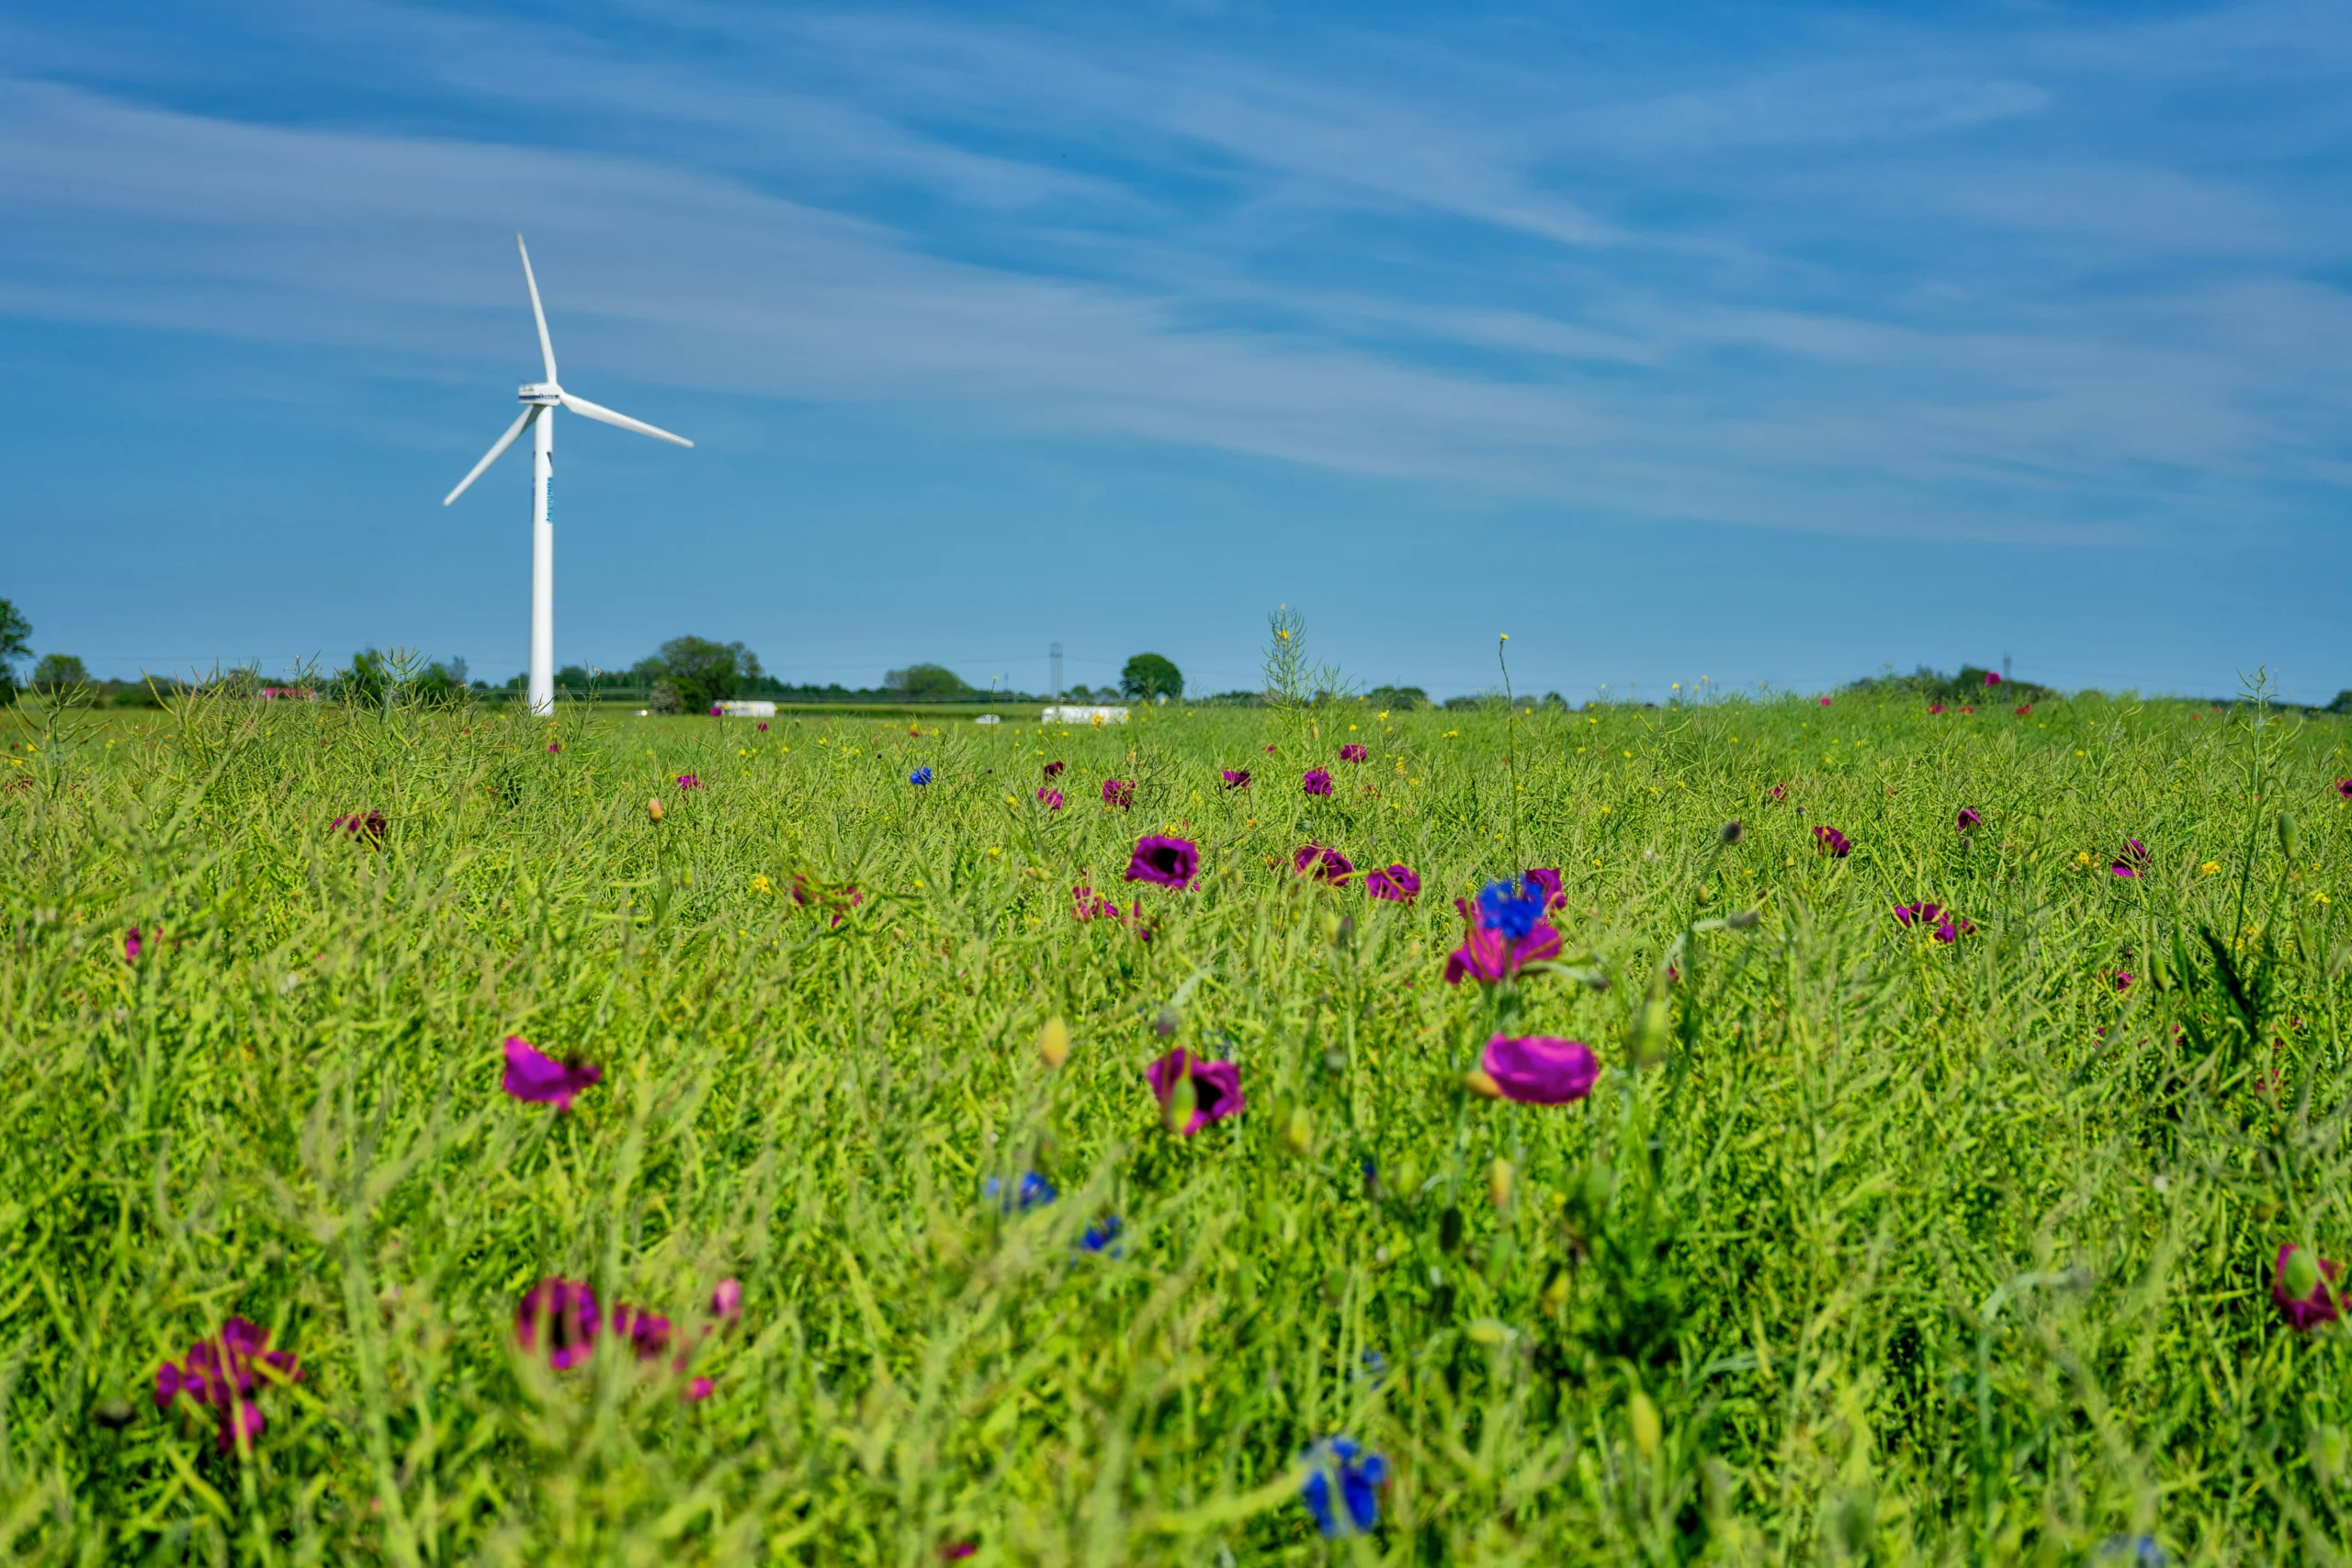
(2300, 1275)
(2330, 1451)
(1556, 1292)
(1491, 1333)
(1477, 1081)
(1651, 1030)
(1498, 1183)
(1298, 1131)
(1183, 1101)
(2287, 834)
(653, 809)
(1053, 1043)
(1641, 1418)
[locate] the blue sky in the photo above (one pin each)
(1765, 343)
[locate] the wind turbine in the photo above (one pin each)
(540, 399)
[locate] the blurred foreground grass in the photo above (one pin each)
(1906, 1251)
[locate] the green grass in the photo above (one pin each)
(1901, 1252)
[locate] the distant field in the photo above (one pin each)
(1889, 1248)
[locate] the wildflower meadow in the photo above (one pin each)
(1773, 1130)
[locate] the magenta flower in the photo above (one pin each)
(366, 827)
(727, 1303)
(1351, 752)
(2122, 979)
(1236, 778)
(1316, 781)
(223, 1374)
(1825, 702)
(1967, 819)
(1935, 707)
(838, 900)
(1538, 1069)
(714, 710)
(2344, 788)
(1089, 905)
(2134, 856)
(553, 747)
(2024, 708)
(688, 781)
(1216, 1087)
(1323, 863)
(1270, 748)
(1052, 797)
(1501, 941)
(1545, 880)
(1120, 792)
(540, 1080)
(1777, 792)
(131, 945)
(1054, 768)
(1828, 840)
(647, 1333)
(1992, 678)
(2302, 1283)
(1171, 863)
(764, 727)
(1947, 925)
(1398, 884)
(564, 1313)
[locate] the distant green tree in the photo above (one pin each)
(16, 633)
(1150, 675)
(1397, 699)
(702, 672)
(926, 680)
(365, 681)
(59, 672)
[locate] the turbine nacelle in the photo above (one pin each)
(545, 394)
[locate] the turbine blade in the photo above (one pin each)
(546, 345)
(491, 457)
(587, 410)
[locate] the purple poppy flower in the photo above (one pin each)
(1777, 793)
(1992, 678)
(1089, 905)
(688, 781)
(647, 1333)
(1216, 1087)
(1052, 797)
(1120, 792)
(1545, 880)
(1398, 884)
(1171, 863)
(1967, 819)
(698, 1391)
(1323, 863)
(2024, 708)
(2302, 1284)
(131, 945)
(1935, 707)
(764, 727)
(714, 710)
(1315, 782)
(1825, 702)
(1354, 1474)
(553, 747)
(223, 1373)
(1538, 1069)
(727, 1303)
(1351, 752)
(2122, 979)
(1947, 925)
(1828, 840)
(1506, 933)
(540, 1080)
(838, 900)
(564, 1313)
(1054, 768)
(2344, 788)
(1236, 778)
(366, 827)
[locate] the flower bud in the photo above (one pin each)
(1053, 1043)
(1650, 1032)
(653, 809)
(1556, 1292)
(1477, 1081)
(1167, 1020)
(1733, 831)
(1298, 1131)
(2287, 834)
(2301, 1275)
(1641, 1418)
(1183, 1101)
(1499, 1183)
(1492, 1333)
(2331, 1451)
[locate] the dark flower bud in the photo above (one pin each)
(1740, 920)
(1734, 832)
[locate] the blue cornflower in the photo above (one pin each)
(1101, 1235)
(1360, 1474)
(920, 777)
(1033, 1190)
(1511, 906)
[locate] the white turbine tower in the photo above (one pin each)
(540, 399)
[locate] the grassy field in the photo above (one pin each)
(1866, 1247)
